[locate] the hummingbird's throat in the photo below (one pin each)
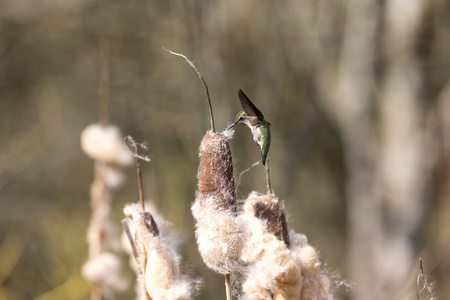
(256, 132)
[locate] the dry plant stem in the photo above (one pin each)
(269, 187)
(238, 181)
(228, 286)
(418, 278)
(420, 287)
(211, 117)
(126, 228)
(134, 148)
(104, 92)
(97, 228)
(96, 291)
(139, 178)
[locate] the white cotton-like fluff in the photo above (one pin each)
(309, 261)
(297, 239)
(163, 225)
(316, 288)
(162, 278)
(259, 240)
(273, 271)
(273, 276)
(228, 134)
(114, 177)
(220, 235)
(316, 285)
(106, 144)
(162, 274)
(105, 269)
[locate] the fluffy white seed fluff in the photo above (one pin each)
(162, 278)
(309, 261)
(273, 270)
(228, 134)
(104, 269)
(163, 227)
(114, 177)
(316, 288)
(219, 235)
(106, 144)
(316, 285)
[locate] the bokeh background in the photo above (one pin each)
(357, 92)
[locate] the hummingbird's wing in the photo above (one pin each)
(249, 108)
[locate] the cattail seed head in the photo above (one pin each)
(158, 261)
(218, 230)
(215, 175)
(270, 210)
(273, 273)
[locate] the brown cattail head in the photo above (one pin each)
(215, 175)
(282, 265)
(273, 272)
(269, 209)
(219, 231)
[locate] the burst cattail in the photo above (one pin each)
(274, 273)
(281, 265)
(158, 263)
(218, 230)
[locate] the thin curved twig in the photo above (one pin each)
(211, 117)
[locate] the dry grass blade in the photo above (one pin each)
(239, 180)
(126, 228)
(213, 129)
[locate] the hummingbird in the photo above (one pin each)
(254, 119)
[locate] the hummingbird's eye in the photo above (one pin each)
(241, 118)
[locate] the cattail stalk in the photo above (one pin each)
(218, 230)
(100, 206)
(157, 262)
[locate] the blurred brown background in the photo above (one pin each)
(357, 91)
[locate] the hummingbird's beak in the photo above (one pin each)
(231, 126)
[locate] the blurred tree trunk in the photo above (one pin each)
(385, 139)
(348, 101)
(403, 162)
